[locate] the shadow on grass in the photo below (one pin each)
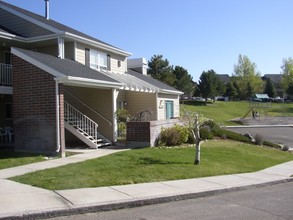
(150, 161)
(9, 153)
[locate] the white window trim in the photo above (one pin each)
(96, 58)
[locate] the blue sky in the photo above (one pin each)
(198, 35)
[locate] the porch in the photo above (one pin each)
(6, 79)
(6, 117)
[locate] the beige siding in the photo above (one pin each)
(161, 105)
(80, 53)
(80, 57)
(98, 99)
(52, 50)
(139, 101)
(115, 59)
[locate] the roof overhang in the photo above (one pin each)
(79, 81)
(62, 78)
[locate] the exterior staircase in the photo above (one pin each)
(83, 127)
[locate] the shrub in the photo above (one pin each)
(211, 124)
(231, 135)
(271, 144)
(259, 139)
(169, 137)
(184, 133)
(205, 133)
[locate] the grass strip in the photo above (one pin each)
(158, 164)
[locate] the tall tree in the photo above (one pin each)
(184, 81)
(245, 73)
(287, 77)
(160, 69)
(270, 88)
(231, 91)
(210, 84)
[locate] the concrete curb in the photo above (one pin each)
(257, 126)
(44, 214)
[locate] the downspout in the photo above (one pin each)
(114, 107)
(57, 117)
(157, 106)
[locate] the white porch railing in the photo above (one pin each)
(5, 75)
(84, 124)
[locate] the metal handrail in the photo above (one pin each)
(81, 121)
(5, 74)
(86, 105)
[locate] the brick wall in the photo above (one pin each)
(34, 106)
(143, 134)
(138, 131)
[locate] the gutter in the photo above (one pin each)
(58, 144)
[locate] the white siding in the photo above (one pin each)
(98, 99)
(80, 57)
(161, 105)
(139, 101)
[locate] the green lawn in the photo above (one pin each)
(222, 112)
(9, 158)
(158, 164)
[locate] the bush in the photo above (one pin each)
(211, 124)
(184, 133)
(169, 137)
(231, 135)
(271, 144)
(205, 133)
(259, 139)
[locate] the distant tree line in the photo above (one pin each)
(244, 83)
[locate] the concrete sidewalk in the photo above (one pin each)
(20, 201)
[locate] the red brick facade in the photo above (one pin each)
(34, 106)
(138, 131)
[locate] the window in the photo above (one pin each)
(8, 110)
(98, 60)
(169, 109)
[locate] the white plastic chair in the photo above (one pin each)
(3, 135)
(10, 133)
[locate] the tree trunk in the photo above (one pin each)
(197, 141)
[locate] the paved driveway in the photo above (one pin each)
(281, 135)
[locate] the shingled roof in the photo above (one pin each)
(72, 72)
(37, 26)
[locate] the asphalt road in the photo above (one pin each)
(281, 135)
(271, 202)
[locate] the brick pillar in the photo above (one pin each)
(61, 119)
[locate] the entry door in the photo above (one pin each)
(169, 109)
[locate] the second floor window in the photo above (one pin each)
(98, 60)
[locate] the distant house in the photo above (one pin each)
(276, 80)
(225, 78)
(58, 84)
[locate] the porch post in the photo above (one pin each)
(114, 107)
(61, 47)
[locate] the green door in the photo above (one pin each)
(169, 109)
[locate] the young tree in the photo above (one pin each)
(191, 120)
(184, 81)
(270, 88)
(160, 69)
(287, 77)
(210, 84)
(245, 72)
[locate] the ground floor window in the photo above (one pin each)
(8, 111)
(169, 106)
